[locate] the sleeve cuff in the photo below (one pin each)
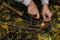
(45, 1)
(26, 2)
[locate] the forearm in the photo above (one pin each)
(25, 2)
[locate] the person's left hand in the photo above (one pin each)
(46, 13)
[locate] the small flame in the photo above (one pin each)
(42, 24)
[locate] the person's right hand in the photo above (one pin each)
(33, 11)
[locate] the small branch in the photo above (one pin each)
(13, 9)
(24, 27)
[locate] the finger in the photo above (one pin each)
(37, 16)
(44, 18)
(49, 18)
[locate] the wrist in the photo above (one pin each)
(45, 5)
(31, 4)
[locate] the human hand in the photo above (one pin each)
(46, 13)
(32, 10)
